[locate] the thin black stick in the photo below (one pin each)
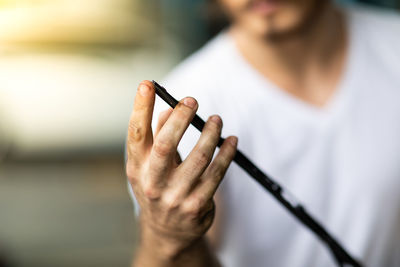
(295, 208)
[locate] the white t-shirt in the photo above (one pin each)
(342, 161)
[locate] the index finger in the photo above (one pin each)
(140, 136)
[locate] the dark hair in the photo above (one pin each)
(216, 17)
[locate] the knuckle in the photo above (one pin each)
(208, 220)
(133, 180)
(151, 192)
(135, 131)
(218, 170)
(131, 173)
(134, 154)
(202, 158)
(178, 158)
(163, 148)
(171, 201)
(194, 207)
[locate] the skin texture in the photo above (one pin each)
(298, 45)
(176, 198)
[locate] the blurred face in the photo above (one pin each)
(271, 18)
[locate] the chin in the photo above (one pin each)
(283, 20)
(278, 24)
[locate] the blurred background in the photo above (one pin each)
(68, 76)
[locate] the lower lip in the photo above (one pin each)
(265, 7)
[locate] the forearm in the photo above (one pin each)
(150, 254)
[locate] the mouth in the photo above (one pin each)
(265, 7)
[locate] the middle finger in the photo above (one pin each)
(166, 142)
(200, 157)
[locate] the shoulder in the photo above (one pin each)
(377, 26)
(377, 31)
(375, 18)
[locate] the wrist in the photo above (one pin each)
(165, 248)
(168, 246)
(161, 250)
(196, 255)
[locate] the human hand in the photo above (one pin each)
(176, 198)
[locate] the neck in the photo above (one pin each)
(301, 61)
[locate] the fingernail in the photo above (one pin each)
(190, 102)
(216, 119)
(233, 140)
(144, 89)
